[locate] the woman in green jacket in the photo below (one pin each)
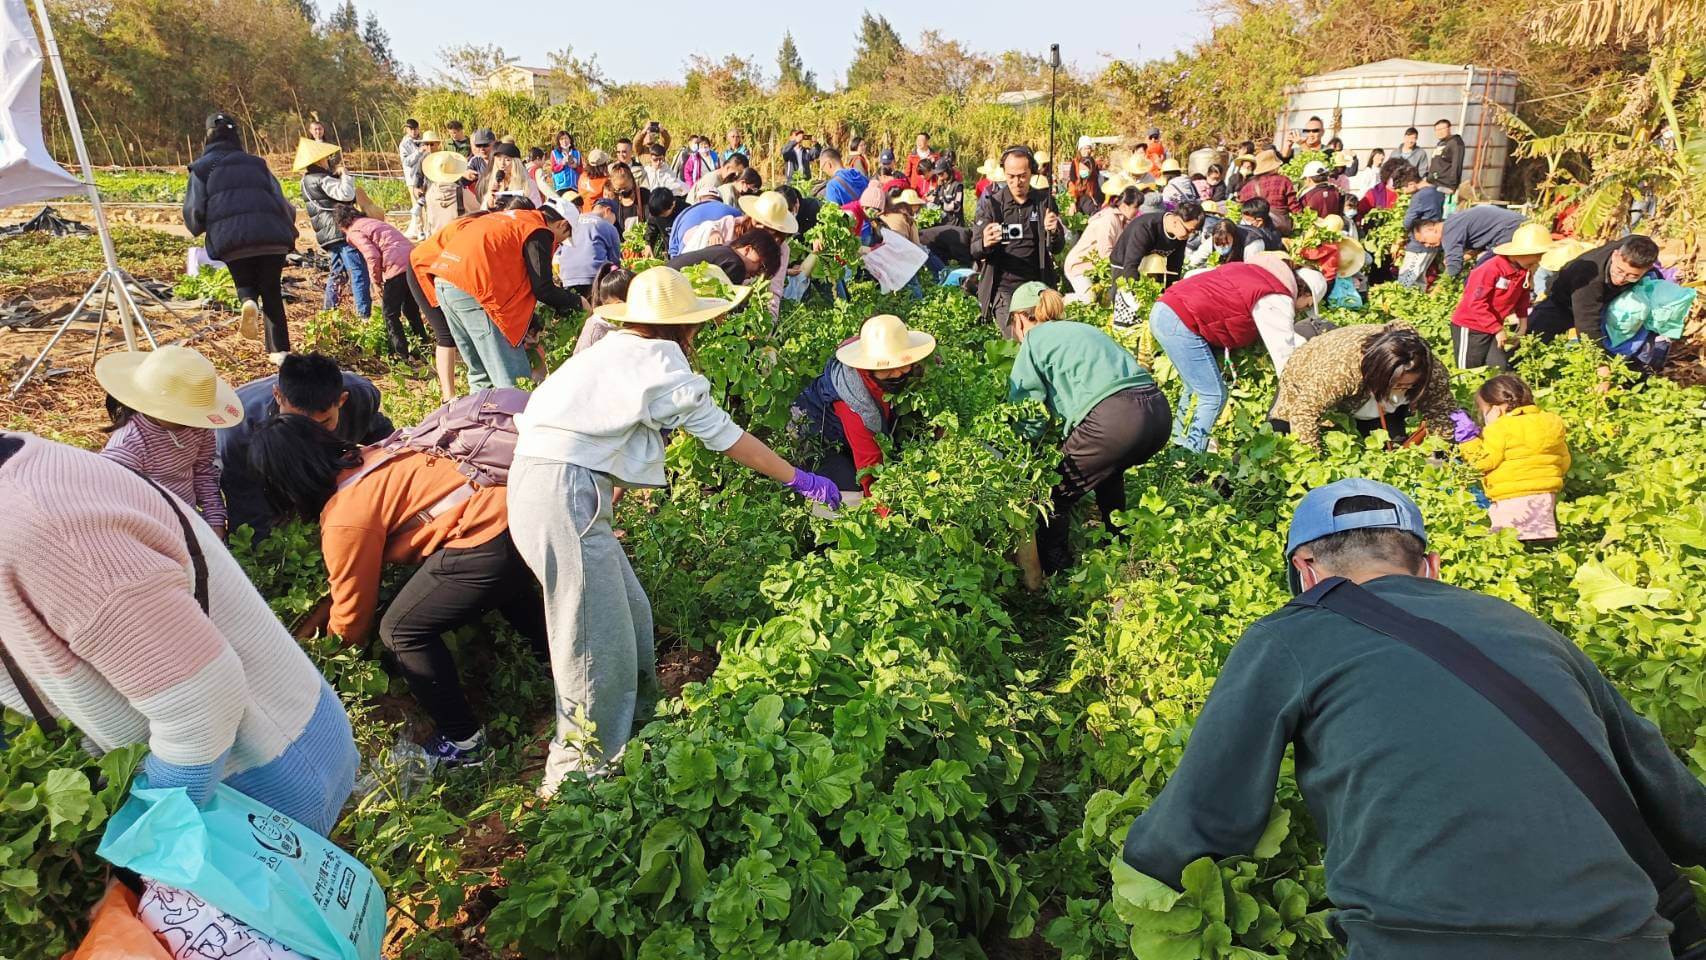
(1115, 415)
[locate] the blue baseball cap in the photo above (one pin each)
(1314, 519)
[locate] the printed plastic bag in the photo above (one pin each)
(193, 929)
(115, 933)
(255, 864)
(895, 261)
(1652, 304)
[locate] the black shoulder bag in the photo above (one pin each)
(198, 563)
(1560, 741)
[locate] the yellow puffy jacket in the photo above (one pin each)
(1522, 453)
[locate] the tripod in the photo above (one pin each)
(113, 285)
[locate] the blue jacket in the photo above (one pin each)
(845, 186)
(702, 212)
(1425, 204)
(360, 421)
(237, 202)
(1476, 228)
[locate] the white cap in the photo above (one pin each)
(1317, 284)
(1314, 168)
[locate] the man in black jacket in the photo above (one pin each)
(1445, 170)
(1587, 285)
(1015, 236)
(1163, 232)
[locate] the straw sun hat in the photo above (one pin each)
(444, 166)
(885, 343)
(1154, 264)
(1116, 184)
(310, 152)
(664, 296)
(908, 198)
(1530, 239)
(174, 384)
(770, 209)
(1268, 161)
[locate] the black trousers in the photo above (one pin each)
(1397, 423)
(452, 588)
(397, 302)
(1122, 431)
(434, 316)
(1473, 349)
(259, 279)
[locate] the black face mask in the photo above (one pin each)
(897, 384)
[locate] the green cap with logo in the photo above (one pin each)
(1024, 299)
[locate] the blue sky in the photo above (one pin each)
(659, 35)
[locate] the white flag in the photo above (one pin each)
(27, 172)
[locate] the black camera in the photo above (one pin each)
(652, 127)
(1013, 231)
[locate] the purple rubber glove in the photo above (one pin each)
(1463, 429)
(813, 487)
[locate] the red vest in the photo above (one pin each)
(1217, 305)
(481, 256)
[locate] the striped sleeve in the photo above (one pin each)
(209, 498)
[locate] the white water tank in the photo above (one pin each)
(1370, 106)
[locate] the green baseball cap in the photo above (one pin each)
(1025, 298)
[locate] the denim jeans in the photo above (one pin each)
(492, 360)
(347, 259)
(1199, 377)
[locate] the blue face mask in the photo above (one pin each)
(1223, 251)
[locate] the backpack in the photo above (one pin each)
(477, 431)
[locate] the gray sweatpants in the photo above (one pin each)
(598, 618)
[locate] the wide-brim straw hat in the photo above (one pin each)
(1268, 161)
(1242, 157)
(1530, 239)
(1137, 165)
(174, 384)
(908, 198)
(1039, 182)
(1352, 257)
(1154, 264)
(770, 209)
(885, 342)
(664, 296)
(991, 168)
(1563, 252)
(1333, 222)
(1171, 165)
(1116, 184)
(310, 152)
(1042, 157)
(431, 136)
(444, 166)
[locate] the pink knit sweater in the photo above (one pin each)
(96, 607)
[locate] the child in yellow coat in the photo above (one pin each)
(1523, 455)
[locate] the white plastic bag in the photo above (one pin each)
(895, 261)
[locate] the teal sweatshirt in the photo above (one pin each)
(1449, 833)
(1071, 367)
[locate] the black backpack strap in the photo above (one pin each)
(27, 690)
(1541, 722)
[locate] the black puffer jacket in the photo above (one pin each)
(320, 193)
(237, 202)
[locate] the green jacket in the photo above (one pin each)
(1449, 833)
(1071, 367)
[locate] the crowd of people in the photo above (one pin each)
(503, 500)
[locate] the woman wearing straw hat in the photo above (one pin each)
(234, 199)
(450, 191)
(165, 405)
(1114, 414)
(592, 426)
(1498, 293)
(1100, 233)
(768, 212)
(839, 416)
(1228, 308)
(324, 185)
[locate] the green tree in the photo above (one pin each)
(879, 49)
(378, 42)
(344, 18)
(794, 75)
(461, 65)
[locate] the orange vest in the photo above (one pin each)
(481, 256)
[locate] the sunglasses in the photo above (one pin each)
(1312, 130)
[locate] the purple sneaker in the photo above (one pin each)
(456, 754)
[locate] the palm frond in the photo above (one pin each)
(1621, 23)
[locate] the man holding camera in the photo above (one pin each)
(1015, 235)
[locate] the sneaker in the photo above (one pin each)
(471, 752)
(249, 321)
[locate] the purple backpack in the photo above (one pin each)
(477, 431)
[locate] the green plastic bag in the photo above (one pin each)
(1651, 304)
(255, 864)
